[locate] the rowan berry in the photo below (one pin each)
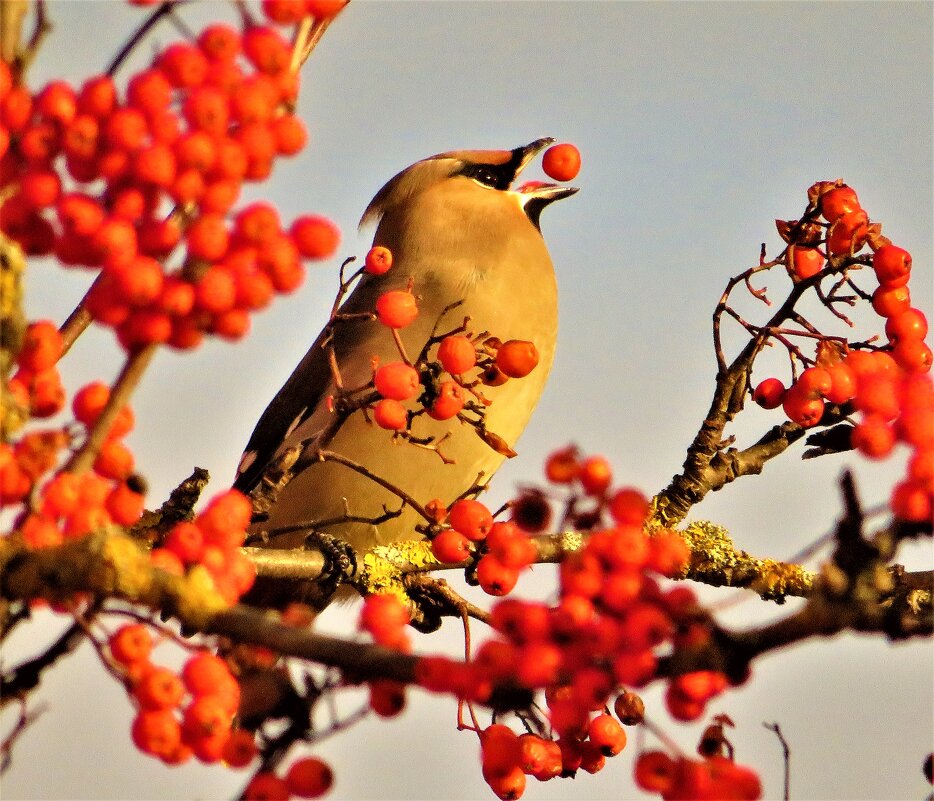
(57, 101)
(629, 708)
(451, 396)
(912, 501)
(183, 64)
(115, 242)
(562, 466)
(41, 347)
(207, 108)
(635, 668)
(806, 262)
(669, 554)
(450, 546)
(384, 616)
(595, 475)
(913, 355)
(265, 47)
(457, 354)
(892, 265)
(37, 531)
(219, 42)
(607, 735)
(390, 414)
(801, 408)
(309, 777)
(910, 324)
(290, 134)
(265, 786)
(316, 237)
(139, 282)
(131, 643)
(124, 504)
(378, 260)
(562, 162)
(814, 382)
(46, 392)
(494, 577)
(838, 201)
(387, 697)
(877, 394)
(239, 748)
(848, 234)
(531, 511)
(149, 91)
(16, 109)
(206, 719)
(471, 518)
(517, 358)
(159, 688)
(284, 12)
(656, 772)
(842, 383)
(207, 238)
(40, 188)
(203, 673)
(397, 381)
(324, 9)
(156, 732)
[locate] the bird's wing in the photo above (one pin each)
(311, 383)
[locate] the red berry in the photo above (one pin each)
(562, 466)
(562, 162)
(378, 260)
(309, 777)
(607, 734)
(390, 414)
(156, 732)
(913, 355)
(239, 748)
(873, 437)
(496, 578)
(801, 408)
(911, 324)
(219, 42)
(41, 347)
(266, 49)
(892, 265)
(266, 786)
(451, 398)
(848, 233)
(204, 673)
(769, 393)
(842, 383)
(397, 380)
(806, 262)
(471, 518)
(450, 546)
(629, 507)
(131, 643)
(159, 688)
(324, 9)
(316, 237)
(595, 475)
(888, 301)
(837, 202)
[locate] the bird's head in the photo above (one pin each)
(473, 176)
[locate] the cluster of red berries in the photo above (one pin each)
(181, 714)
(212, 540)
(506, 549)
(605, 633)
(887, 386)
(682, 779)
(172, 158)
(69, 505)
(457, 354)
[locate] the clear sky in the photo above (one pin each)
(699, 124)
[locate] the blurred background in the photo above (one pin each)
(699, 124)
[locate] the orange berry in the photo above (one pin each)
(397, 381)
(315, 237)
(41, 347)
(390, 414)
(806, 262)
(892, 265)
(769, 393)
(471, 518)
(562, 162)
(595, 475)
(131, 643)
(457, 354)
(517, 358)
(396, 308)
(450, 546)
(562, 466)
(451, 399)
(837, 202)
(378, 260)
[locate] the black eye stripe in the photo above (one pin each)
(495, 176)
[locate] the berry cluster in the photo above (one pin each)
(492, 361)
(888, 385)
(679, 779)
(611, 623)
(67, 505)
(183, 714)
(134, 186)
(212, 540)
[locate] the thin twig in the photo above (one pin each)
(786, 756)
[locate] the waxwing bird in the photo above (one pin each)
(457, 233)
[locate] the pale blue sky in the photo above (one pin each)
(699, 124)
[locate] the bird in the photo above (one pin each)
(459, 234)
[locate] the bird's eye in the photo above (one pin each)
(486, 175)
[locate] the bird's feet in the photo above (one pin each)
(340, 562)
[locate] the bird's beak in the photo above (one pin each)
(521, 156)
(544, 192)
